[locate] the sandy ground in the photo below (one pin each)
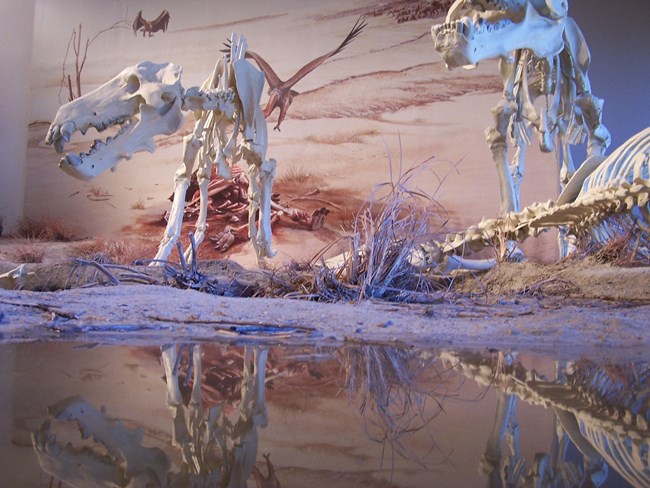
(567, 309)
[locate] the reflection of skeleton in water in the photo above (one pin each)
(603, 411)
(217, 449)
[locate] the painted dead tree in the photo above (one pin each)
(148, 100)
(542, 55)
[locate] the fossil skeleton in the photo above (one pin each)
(618, 185)
(228, 208)
(148, 100)
(542, 54)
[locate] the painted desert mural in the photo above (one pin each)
(383, 106)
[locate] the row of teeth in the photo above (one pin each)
(98, 143)
(66, 130)
(464, 27)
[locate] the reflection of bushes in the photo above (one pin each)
(395, 391)
(47, 229)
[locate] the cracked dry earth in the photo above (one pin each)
(571, 307)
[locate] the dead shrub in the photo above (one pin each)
(31, 252)
(622, 242)
(295, 174)
(385, 232)
(47, 229)
(103, 250)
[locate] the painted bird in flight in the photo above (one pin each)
(280, 92)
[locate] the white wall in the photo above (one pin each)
(16, 25)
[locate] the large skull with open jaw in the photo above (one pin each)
(142, 101)
(481, 29)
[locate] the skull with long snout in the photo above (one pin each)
(142, 101)
(481, 29)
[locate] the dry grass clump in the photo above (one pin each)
(109, 251)
(295, 174)
(139, 205)
(622, 242)
(376, 264)
(348, 138)
(48, 229)
(31, 252)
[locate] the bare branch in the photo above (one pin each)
(80, 58)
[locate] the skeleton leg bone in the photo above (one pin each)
(191, 146)
(497, 138)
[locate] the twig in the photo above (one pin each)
(312, 199)
(42, 306)
(234, 325)
(100, 267)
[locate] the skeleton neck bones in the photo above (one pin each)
(148, 100)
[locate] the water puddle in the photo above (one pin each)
(217, 415)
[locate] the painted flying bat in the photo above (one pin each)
(280, 92)
(159, 23)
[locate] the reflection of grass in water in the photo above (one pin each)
(345, 138)
(395, 391)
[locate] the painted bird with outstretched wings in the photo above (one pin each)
(150, 26)
(280, 92)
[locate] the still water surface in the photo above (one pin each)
(218, 415)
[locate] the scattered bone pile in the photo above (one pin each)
(227, 212)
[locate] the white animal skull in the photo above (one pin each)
(481, 29)
(144, 100)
